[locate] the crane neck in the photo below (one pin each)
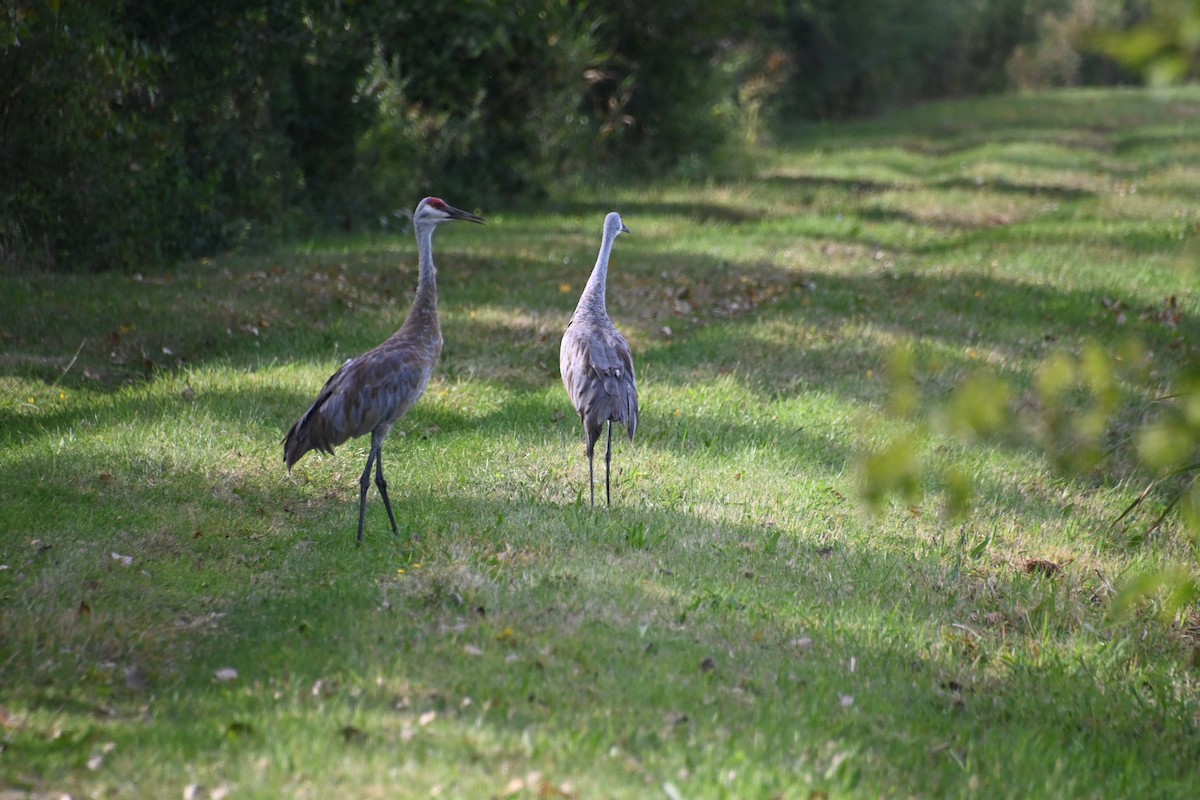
(424, 308)
(593, 298)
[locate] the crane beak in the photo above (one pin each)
(465, 215)
(625, 228)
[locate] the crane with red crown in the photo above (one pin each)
(370, 393)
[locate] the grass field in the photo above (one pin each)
(181, 617)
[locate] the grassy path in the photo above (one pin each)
(736, 625)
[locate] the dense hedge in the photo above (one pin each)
(133, 133)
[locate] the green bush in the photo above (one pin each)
(662, 96)
(138, 133)
(853, 58)
(1164, 44)
(132, 136)
(485, 96)
(70, 153)
(1072, 415)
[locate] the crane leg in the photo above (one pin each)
(364, 483)
(591, 453)
(607, 464)
(592, 474)
(382, 485)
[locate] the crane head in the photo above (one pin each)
(613, 226)
(434, 211)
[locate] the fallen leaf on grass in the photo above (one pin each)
(1042, 566)
(472, 650)
(1169, 313)
(353, 735)
(226, 674)
(534, 783)
(514, 786)
(846, 700)
(135, 678)
(239, 728)
(194, 791)
(125, 560)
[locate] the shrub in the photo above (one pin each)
(133, 133)
(664, 93)
(853, 58)
(488, 93)
(69, 151)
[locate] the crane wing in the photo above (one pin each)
(597, 371)
(375, 388)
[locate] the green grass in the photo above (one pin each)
(736, 625)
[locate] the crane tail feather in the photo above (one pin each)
(311, 432)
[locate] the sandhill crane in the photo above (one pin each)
(595, 362)
(370, 393)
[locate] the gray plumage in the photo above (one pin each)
(596, 364)
(370, 393)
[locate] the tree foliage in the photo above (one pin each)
(1164, 45)
(896, 50)
(136, 133)
(1071, 415)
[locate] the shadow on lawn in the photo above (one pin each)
(71, 484)
(721, 330)
(781, 331)
(759, 346)
(705, 664)
(331, 306)
(677, 670)
(1083, 116)
(860, 186)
